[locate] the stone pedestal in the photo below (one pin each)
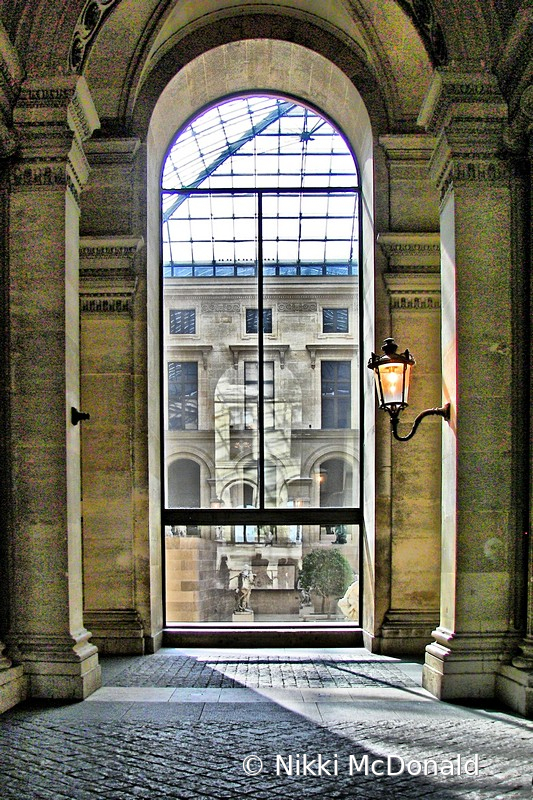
(242, 616)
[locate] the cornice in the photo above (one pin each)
(107, 273)
(112, 151)
(110, 247)
(411, 252)
(456, 94)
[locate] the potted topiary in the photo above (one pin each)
(326, 573)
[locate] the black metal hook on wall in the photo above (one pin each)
(77, 416)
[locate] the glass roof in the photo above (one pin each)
(263, 143)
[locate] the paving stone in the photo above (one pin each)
(159, 750)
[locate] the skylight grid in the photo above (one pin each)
(260, 143)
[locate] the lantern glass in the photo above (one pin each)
(392, 381)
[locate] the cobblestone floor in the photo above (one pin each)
(192, 740)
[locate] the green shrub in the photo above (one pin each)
(326, 572)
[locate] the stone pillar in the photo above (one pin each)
(413, 284)
(47, 635)
(107, 287)
(467, 114)
(13, 684)
(515, 680)
(122, 542)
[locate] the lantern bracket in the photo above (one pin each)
(441, 411)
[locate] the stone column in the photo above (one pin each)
(107, 287)
(467, 114)
(13, 684)
(413, 284)
(47, 635)
(515, 680)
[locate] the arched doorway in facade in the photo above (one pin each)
(260, 270)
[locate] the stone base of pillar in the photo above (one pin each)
(57, 667)
(514, 688)
(407, 632)
(13, 687)
(461, 666)
(116, 632)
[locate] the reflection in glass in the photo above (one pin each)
(260, 249)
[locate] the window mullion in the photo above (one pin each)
(260, 355)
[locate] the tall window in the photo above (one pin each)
(251, 394)
(336, 394)
(260, 207)
(182, 396)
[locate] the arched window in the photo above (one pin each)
(260, 231)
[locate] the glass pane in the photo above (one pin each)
(263, 573)
(241, 430)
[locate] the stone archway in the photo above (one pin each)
(310, 78)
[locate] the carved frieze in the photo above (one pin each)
(413, 292)
(97, 304)
(221, 307)
(107, 273)
(297, 308)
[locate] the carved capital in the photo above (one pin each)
(456, 95)
(411, 252)
(467, 114)
(52, 120)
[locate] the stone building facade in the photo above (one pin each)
(437, 106)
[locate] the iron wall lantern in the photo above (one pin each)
(392, 372)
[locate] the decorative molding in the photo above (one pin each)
(192, 350)
(336, 350)
(297, 308)
(87, 26)
(52, 119)
(239, 350)
(465, 95)
(413, 291)
(221, 308)
(107, 273)
(112, 151)
(110, 247)
(100, 304)
(408, 156)
(411, 252)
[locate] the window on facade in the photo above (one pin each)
(336, 394)
(252, 316)
(260, 202)
(182, 396)
(335, 320)
(182, 321)
(251, 394)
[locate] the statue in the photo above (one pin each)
(244, 589)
